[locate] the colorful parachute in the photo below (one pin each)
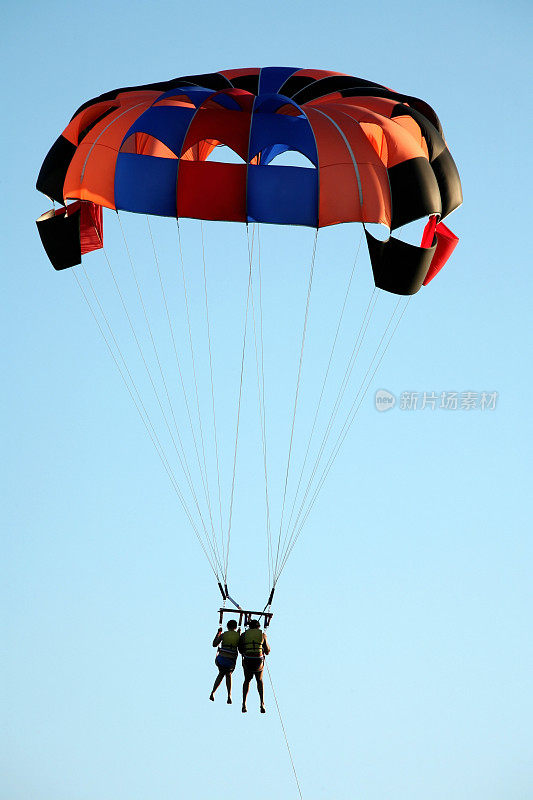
(364, 154)
(379, 157)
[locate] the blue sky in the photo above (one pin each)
(401, 653)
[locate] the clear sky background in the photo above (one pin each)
(401, 648)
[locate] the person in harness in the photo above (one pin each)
(253, 647)
(226, 658)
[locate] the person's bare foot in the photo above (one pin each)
(229, 701)
(212, 696)
(244, 709)
(262, 708)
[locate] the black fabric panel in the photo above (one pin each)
(52, 173)
(334, 83)
(449, 182)
(210, 80)
(249, 83)
(398, 267)
(293, 85)
(434, 140)
(61, 239)
(379, 91)
(425, 109)
(414, 191)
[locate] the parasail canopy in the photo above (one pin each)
(361, 153)
(374, 156)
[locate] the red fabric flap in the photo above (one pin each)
(91, 227)
(446, 244)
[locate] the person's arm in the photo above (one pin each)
(218, 637)
(266, 646)
(241, 644)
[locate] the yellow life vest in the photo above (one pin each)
(228, 643)
(253, 642)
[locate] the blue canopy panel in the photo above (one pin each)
(282, 195)
(196, 94)
(169, 124)
(272, 129)
(146, 184)
(271, 79)
(271, 103)
(268, 154)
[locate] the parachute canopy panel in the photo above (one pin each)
(375, 156)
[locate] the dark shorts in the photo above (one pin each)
(225, 665)
(252, 665)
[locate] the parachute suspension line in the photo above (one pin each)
(183, 464)
(328, 431)
(311, 271)
(261, 398)
(356, 405)
(238, 412)
(154, 436)
(149, 328)
(284, 731)
(344, 383)
(146, 421)
(348, 287)
(138, 401)
(212, 390)
(203, 473)
(171, 329)
(349, 420)
(264, 400)
(121, 356)
(193, 363)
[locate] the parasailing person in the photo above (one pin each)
(226, 658)
(253, 646)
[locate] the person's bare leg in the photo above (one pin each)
(259, 681)
(228, 686)
(216, 684)
(245, 687)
